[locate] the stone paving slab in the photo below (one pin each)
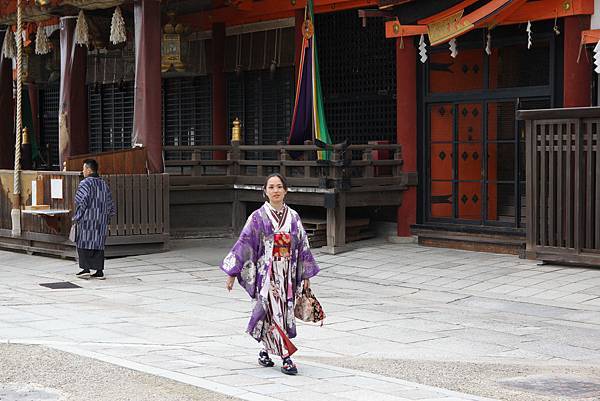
(160, 315)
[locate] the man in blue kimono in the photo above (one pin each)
(94, 208)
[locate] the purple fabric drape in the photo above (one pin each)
(302, 122)
(73, 93)
(147, 108)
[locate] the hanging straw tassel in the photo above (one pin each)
(117, 28)
(82, 36)
(42, 44)
(9, 47)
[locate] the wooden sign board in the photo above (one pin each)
(448, 28)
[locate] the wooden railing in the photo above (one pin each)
(563, 184)
(348, 166)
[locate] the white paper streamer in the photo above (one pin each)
(42, 44)
(453, 48)
(82, 36)
(422, 49)
(529, 42)
(117, 28)
(597, 57)
(488, 44)
(9, 47)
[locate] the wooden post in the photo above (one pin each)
(577, 71)
(368, 157)
(308, 156)
(234, 156)
(336, 226)
(197, 169)
(397, 170)
(406, 135)
(147, 102)
(283, 156)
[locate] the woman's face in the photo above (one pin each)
(275, 190)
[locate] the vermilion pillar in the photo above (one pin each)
(576, 75)
(147, 129)
(219, 113)
(73, 124)
(7, 134)
(406, 131)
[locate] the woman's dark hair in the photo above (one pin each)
(282, 178)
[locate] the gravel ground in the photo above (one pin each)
(554, 382)
(76, 378)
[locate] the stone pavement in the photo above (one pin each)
(169, 315)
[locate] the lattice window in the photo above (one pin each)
(49, 99)
(187, 111)
(110, 116)
(264, 102)
(358, 77)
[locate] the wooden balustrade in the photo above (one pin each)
(563, 184)
(194, 165)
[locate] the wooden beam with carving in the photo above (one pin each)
(444, 26)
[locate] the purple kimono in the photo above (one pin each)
(251, 259)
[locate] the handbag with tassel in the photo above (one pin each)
(308, 308)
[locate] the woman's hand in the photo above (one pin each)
(306, 284)
(229, 282)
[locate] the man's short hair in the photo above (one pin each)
(92, 164)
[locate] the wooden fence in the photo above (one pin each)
(142, 204)
(563, 184)
(140, 226)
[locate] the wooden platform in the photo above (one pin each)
(356, 230)
(470, 239)
(141, 225)
(207, 190)
(55, 245)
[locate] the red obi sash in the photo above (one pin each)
(281, 245)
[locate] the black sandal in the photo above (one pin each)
(289, 368)
(265, 360)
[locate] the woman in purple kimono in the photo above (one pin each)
(272, 262)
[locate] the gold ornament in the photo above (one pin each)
(308, 29)
(236, 131)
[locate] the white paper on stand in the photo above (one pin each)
(34, 193)
(56, 188)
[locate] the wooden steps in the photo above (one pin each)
(356, 229)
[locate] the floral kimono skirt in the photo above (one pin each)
(279, 311)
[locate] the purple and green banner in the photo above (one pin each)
(308, 121)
